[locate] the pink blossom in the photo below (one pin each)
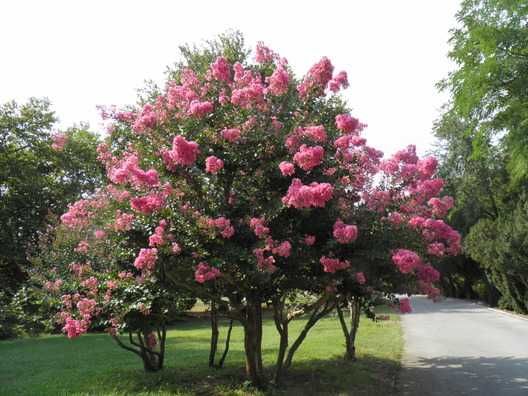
(407, 155)
(427, 273)
(441, 206)
(436, 249)
(317, 78)
(91, 283)
(145, 120)
(427, 166)
(405, 305)
(283, 250)
(406, 260)
(146, 259)
(158, 237)
(231, 135)
(74, 328)
(205, 273)
(316, 133)
(82, 247)
(213, 164)
(183, 153)
(224, 227)
(332, 265)
(148, 204)
(360, 278)
(309, 240)
(123, 221)
(200, 109)
(308, 157)
(395, 218)
(86, 307)
(99, 234)
(287, 168)
(305, 196)
(221, 69)
(263, 54)
(339, 81)
(265, 263)
(259, 227)
(345, 233)
(59, 141)
(346, 123)
(175, 248)
(278, 81)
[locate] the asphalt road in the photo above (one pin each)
(456, 347)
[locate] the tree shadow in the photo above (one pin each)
(493, 376)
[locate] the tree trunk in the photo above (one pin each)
(252, 342)
(226, 349)
(214, 334)
(354, 308)
(281, 323)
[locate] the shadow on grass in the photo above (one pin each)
(505, 376)
(366, 376)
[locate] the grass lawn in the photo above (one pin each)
(93, 364)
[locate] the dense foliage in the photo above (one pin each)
(41, 171)
(484, 151)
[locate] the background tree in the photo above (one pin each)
(40, 172)
(483, 146)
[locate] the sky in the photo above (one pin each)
(85, 53)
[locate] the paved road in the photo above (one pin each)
(459, 348)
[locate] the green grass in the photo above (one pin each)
(94, 365)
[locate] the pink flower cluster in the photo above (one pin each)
(59, 140)
(347, 124)
(213, 164)
(278, 81)
(340, 81)
(258, 226)
(308, 157)
(200, 109)
(406, 260)
(405, 305)
(205, 273)
(74, 328)
(145, 120)
(440, 206)
(306, 196)
(128, 171)
(221, 69)
(223, 226)
(441, 237)
(332, 265)
(158, 237)
(183, 153)
(86, 307)
(317, 133)
(148, 204)
(82, 247)
(123, 221)
(317, 78)
(263, 54)
(287, 168)
(53, 286)
(345, 233)
(78, 215)
(146, 259)
(231, 134)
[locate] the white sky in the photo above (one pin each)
(83, 53)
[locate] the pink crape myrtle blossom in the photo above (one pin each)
(123, 221)
(340, 81)
(148, 204)
(205, 273)
(59, 140)
(317, 78)
(74, 328)
(231, 134)
(309, 240)
(283, 249)
(263, 54)
(332, 265)
(278, 81)
(406, 260)
(287, 168)
(317, 133)
(146, 259)
(213, 164)
(345, 233)
(224, 227)
(258, 226)
(183, 153)
(305, 196)
(360, 278)
(346, 123)
(221, 69)
(405, 305)
(158, 237)
(308, 157)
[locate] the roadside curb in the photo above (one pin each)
(507, 313)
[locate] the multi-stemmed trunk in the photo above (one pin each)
(350, 331)
(321, 308)
(141, 345)
(214, 338)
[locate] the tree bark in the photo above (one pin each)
(214, 334)
(252, 342)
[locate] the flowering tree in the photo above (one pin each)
(242, 185)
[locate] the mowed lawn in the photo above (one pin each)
(94, 365)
